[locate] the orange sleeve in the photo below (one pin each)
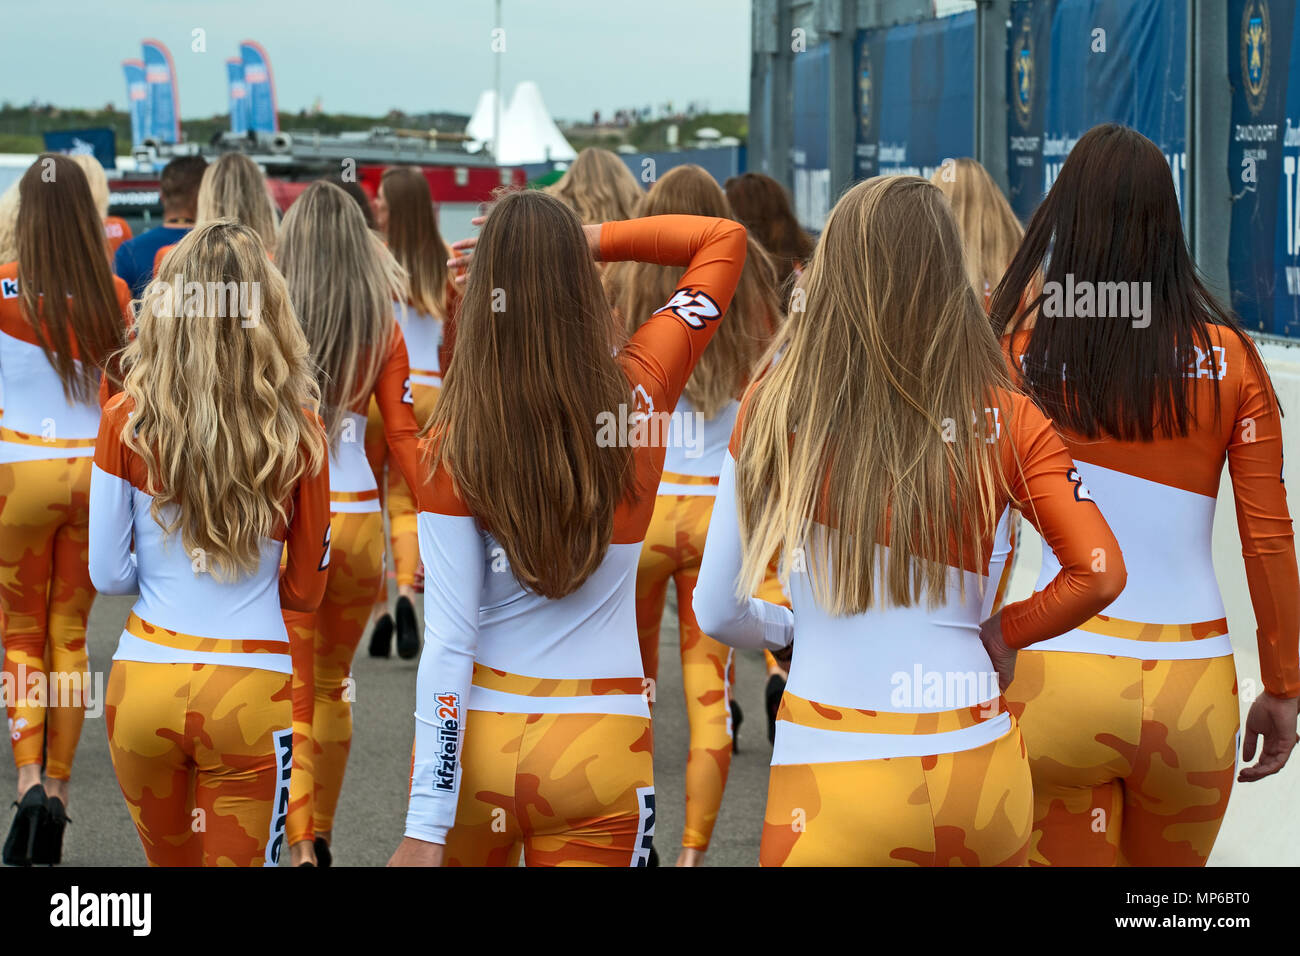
(397, 407)
(1047, 489)
(159, 256)
(307, 541)
(1267, 540)
(713, 251)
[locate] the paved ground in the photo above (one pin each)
(372, 807)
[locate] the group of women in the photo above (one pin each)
(874, 414)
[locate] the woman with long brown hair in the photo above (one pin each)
(599, 187)
(763, 205)
(704, 417)
(877, 465)
(199, 707)
(407, 218)
(1131, 719)
(62, 315)
(545, 452)
(343, 283)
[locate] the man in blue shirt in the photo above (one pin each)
(179, 189)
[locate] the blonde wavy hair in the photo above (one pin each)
(224, 413)
(638, 289)
(9, 223)
(599, 187)
(990, 231)
(873, 425)
(234, 187)
(97, 178)
(343, 282)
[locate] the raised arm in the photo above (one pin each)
(713, 251)
(1047, 488)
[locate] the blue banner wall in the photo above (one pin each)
(810, 150)
(1264, 164)
(1073, 64)
(100, 142)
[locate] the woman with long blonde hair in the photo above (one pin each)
(406, 216)
(545, 452)
(343, 283)
(990, 231)
(62, 316)
(116, 229)
(234, 187)
(876, 456)
(599, 187)
(209, 467)
(674, 541)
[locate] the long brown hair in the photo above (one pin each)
(223, 400)
(599, 187)
(1112, 218)
(763, 205)
(414, 239)
(516, 423)
(343, 283)
(638, 289)
(990, 231)
(64, 282)
(872, 426)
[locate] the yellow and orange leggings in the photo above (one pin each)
(1133, 761)
(398, 499)
(322, 712)
(45, 599)
(202, 753)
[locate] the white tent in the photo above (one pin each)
(481, 125)
(528, 134)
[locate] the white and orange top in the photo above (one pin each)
(492, 645)
(39, 422)
(184, 614)
(914, 681)
(1160, 497)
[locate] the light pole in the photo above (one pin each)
(496, 120)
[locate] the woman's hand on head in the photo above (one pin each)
(462, 251)
(412, 852)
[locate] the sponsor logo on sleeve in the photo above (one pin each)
(448, 741)
(693, 306)
(1081, 492)
(9, 288)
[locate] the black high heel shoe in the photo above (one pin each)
(22, 832)
(775, 691)
(408, 630)
(381, 637)
(47, 850)
(737, 716)
(323, 855)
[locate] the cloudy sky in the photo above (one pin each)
(367, 56)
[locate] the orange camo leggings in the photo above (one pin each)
(202, 754)
(45, 599)
(562, 789)
(335, 631)
(1133, 761)
(399, 502)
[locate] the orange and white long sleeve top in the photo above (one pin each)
(39, 422)
(492, 645)
(185, 615)
(1160, 498)
(915, 681)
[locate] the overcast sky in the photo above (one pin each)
(367, 56)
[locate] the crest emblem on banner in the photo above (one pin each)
(1022, 64)
(1256, 52)
(865, 103)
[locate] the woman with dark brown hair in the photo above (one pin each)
(406, 215)
(62, 316)
(674, 542)
(545, 453)
(763, 205)
(1131, 719)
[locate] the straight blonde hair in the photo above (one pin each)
(990, 231)
(234, 187)
(343, 283)
(224, 413)
(599, 187)
(639, 289)
(873, 427)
